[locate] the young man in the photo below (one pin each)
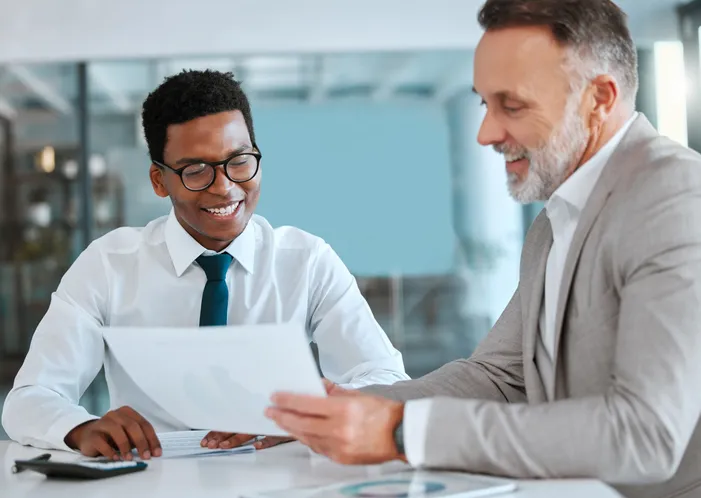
(171, 273)
(593, 369)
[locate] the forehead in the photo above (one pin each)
(207, 137)
(524, 60)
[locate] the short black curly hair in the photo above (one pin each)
(187, 96)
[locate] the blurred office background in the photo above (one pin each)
(366, 121)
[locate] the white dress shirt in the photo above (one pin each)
(563, 210)
(148, 277)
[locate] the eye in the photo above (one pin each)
(483, 103)
(512, 110)
(194, 169)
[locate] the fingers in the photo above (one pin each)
(143, 435)
(98, 445)
(228, 440)
(205, 440)
(138, 432)
(115, 434)
(270, 441)
(214, 439)
(336, 390)
(119, 437)
(225, 440)
(309, 405)
(297, 424)
(137, 438)
(235, 440)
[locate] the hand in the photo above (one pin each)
(334, 389)
(350, 429)
(228, 440)
(114, 435)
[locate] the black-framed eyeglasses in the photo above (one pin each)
(239, 168)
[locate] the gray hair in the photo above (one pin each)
(595, 32)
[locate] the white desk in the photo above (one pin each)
(283, 467)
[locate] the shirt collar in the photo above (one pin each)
(184, 249)
(575, 191)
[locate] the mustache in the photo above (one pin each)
(512, 150)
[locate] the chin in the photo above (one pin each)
(527, 190)
(224, 235)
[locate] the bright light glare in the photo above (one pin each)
(671, 89)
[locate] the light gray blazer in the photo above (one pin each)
(628, 344)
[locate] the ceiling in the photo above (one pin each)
(120, 87)
(422, 73)
(30, 31)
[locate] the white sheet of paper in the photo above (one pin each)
(179, 444)
(218, 378)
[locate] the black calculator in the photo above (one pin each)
(88, 469)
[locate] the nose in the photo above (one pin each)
(221, 185)
(491, 132)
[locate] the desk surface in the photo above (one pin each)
(284, 467)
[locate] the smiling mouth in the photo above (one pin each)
(512, 158)
(223, 211)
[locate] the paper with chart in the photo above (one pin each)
(408, 484)
(218, 378)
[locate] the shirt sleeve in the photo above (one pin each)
(416, 416)
(65, 355)
(354, 351)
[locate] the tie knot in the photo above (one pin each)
(215, 266)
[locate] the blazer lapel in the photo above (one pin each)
(623, 157)
(536, 249)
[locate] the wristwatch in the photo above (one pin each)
(399, 437)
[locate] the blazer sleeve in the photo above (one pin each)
(493, 372)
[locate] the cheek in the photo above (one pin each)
(252, 194)
(530, 133)
(182, 197)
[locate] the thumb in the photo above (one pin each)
(335, 390)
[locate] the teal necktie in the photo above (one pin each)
(215, 298)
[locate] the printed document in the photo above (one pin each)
(218, 378)
(179, 444)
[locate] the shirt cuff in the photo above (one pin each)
(416, 414)
(58, 432)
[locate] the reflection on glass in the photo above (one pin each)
(38, 233)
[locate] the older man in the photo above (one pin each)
(593, 369)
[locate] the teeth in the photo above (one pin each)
(514, 157)
(224, 211)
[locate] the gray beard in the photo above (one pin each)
(549, 164)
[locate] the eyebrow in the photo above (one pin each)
(504, 95)
(192, 160)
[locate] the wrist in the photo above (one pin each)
(74, 436)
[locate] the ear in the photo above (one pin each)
(156, 175)
(605, 95)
